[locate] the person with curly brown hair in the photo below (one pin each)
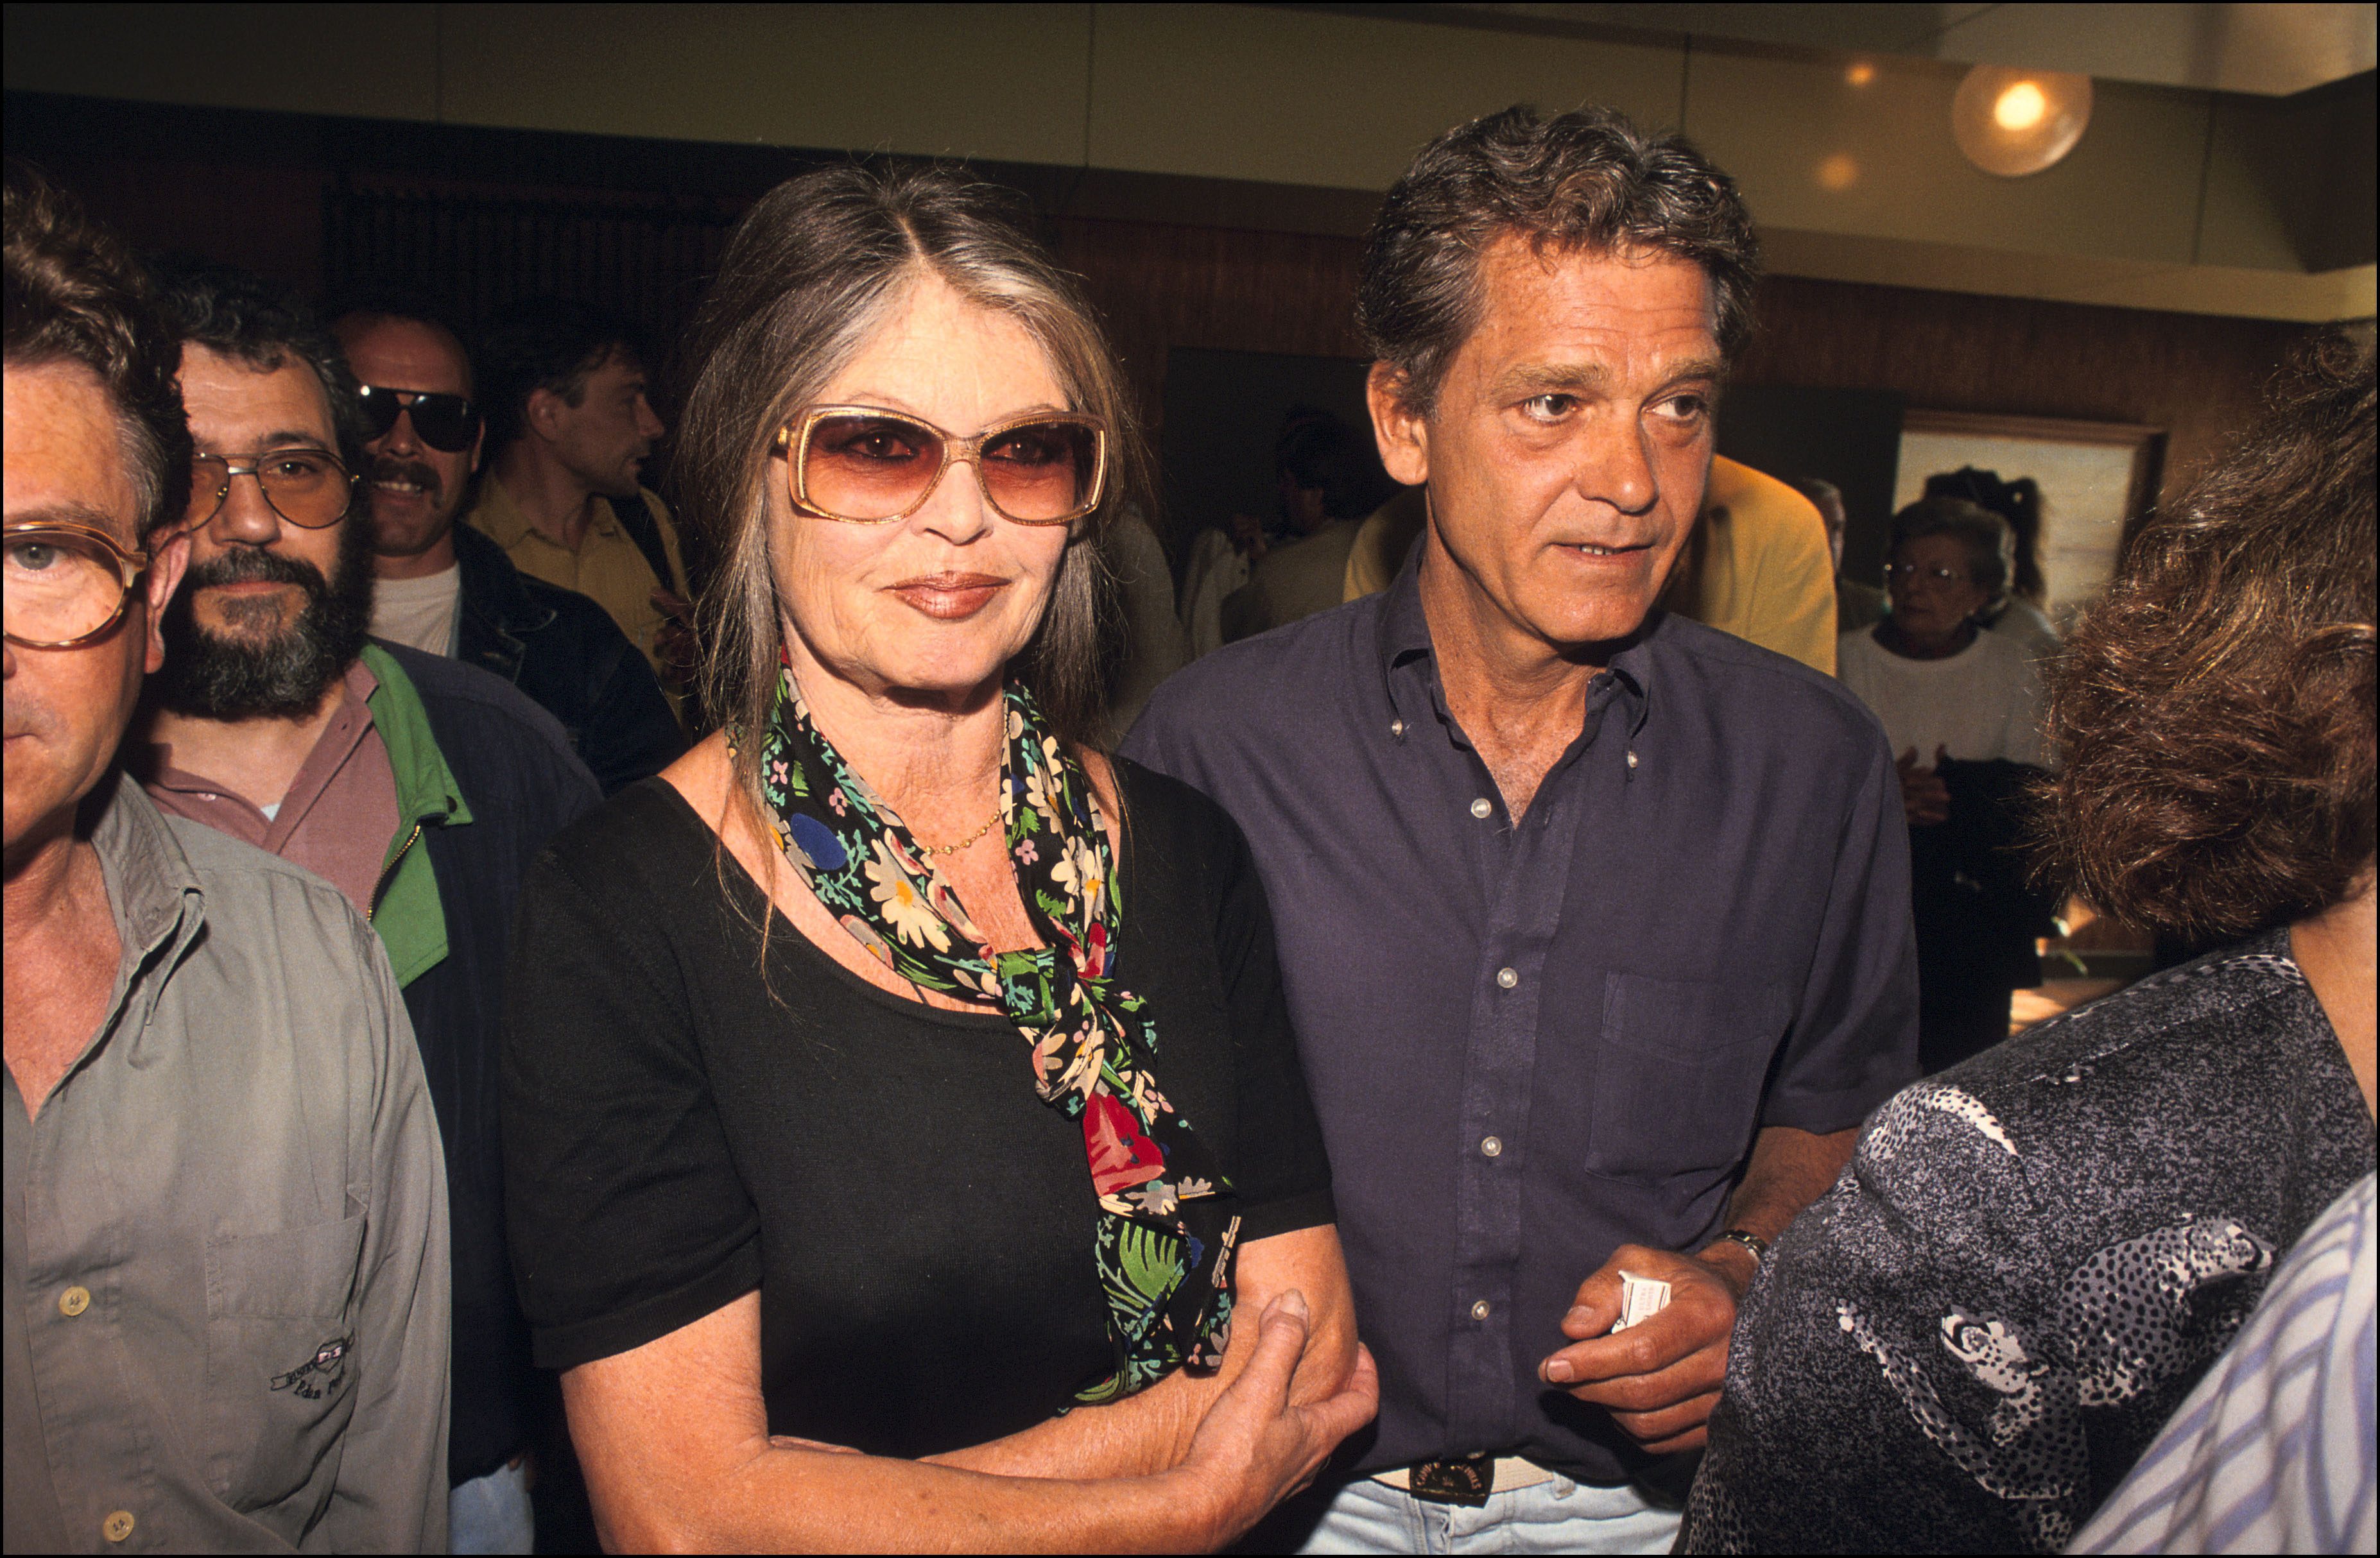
(2035, 1256)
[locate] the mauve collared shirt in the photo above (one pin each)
(1530, 1044)
(340, 812)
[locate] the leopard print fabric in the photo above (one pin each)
(2030, 1260)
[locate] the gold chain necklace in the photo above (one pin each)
(970, 838)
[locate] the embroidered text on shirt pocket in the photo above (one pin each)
(281, 1355)
(1679, 1074)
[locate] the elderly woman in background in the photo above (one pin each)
(1967, 1343)
(2019, 613)
(1962, 708)
(893, 1135)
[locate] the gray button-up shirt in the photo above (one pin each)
(226, 1254)
(1532, 1040)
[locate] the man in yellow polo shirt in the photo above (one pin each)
(1759, 566)
(573, 425)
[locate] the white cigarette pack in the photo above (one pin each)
(1640, 1297)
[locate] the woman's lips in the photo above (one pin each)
(949, 597)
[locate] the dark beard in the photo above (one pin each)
(209, 678)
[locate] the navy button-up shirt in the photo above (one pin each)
(1530, 1044)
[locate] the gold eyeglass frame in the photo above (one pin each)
(223, 493)
(794, 442)
(131, 566)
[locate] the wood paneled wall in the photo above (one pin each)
(1159, 286)
(298, 198)
(2199, 378)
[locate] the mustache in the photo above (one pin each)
(254, 565)
(389, 469)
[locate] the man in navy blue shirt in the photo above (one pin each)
(1594, 921)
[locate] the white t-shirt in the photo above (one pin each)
(419, 613)
(1981, 703)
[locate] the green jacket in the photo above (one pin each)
(405, 908)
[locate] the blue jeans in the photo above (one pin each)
(491, 1513)
(1556, 1516)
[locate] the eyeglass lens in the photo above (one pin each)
(877, 467)
(443, 421)
(57, 588)
(307, 488)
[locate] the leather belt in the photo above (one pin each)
(1466, 1481)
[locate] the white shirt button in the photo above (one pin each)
(1491, 1147)
(1507, 978)
(1482, 807)
(1631, 758)
(1397, 729)
(1479, 1310)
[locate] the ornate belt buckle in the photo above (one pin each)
(1466, 1483)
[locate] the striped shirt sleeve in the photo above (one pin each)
(2272, 1452)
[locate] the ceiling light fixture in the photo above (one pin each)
(2013, 123)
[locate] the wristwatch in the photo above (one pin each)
(1752, 1242)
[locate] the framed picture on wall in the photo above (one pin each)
(2097, 479)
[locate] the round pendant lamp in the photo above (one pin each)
(2013, 122)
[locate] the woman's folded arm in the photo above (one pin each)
(673, 1438)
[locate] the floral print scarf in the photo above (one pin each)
(1163, 1247)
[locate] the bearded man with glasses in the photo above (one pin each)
(419, 788)
(226, 1242)
(447, 589)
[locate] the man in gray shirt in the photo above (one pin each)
(226, 1265)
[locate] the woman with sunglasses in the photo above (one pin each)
(905, 1144)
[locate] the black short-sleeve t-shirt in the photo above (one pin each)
(679, 1132)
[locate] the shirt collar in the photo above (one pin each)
(152, 887)
(498, 517)
(1402, 636)
(350, 722)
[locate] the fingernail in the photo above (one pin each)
(1293, 1302)
(1558, 1370)
(1578, 1316)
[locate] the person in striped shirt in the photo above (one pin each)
(2272, 1453)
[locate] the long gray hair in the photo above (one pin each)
(810, 272)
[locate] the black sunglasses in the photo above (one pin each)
(444, 422)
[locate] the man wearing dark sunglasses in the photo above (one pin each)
(447, 589)
(419, 788)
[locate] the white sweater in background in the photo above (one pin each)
(1981, 703)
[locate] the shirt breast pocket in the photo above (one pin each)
(1678, 1076)
(281, 1361)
